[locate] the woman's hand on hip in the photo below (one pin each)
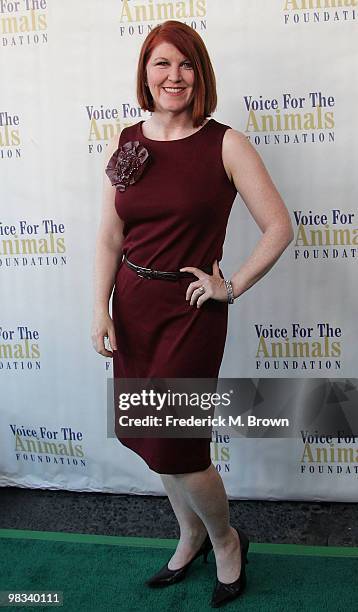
(206, 287)
(102, 327)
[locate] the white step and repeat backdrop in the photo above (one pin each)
(287, 78)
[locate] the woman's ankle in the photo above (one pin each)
(229, 540)
(193, 537)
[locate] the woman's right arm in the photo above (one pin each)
(108, 254)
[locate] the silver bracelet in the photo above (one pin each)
(230, 293)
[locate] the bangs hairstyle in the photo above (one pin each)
(191, 45)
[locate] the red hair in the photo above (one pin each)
(190, 44)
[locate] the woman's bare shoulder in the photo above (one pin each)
(234, 149)
(234, 139)
(238, 151)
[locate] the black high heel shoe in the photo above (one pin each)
(224, 593)
(166, 576)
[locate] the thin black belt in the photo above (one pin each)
(160, 274)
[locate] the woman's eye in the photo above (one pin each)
(186, 64)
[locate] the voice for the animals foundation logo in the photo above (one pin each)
(19, 348)
(23, 23)
(39, 444)
(104, 122)
(25, 244)
(299, 347)
(329, 454)
(290, 118)
(328, 235)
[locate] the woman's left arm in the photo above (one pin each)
(246, 169)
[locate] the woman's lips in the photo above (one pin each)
(173, 91)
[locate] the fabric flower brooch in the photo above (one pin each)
(127, 164)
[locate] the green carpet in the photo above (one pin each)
(98, 573)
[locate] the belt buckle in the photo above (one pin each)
(145, 273)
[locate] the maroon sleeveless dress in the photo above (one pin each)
(175, 215)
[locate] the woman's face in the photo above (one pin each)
(170, 77)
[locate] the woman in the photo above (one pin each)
(169, 185)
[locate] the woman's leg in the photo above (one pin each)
(192, 529)
(205, 494)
